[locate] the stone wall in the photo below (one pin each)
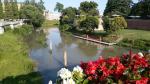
(138, 24)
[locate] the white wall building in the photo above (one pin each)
(53, 16)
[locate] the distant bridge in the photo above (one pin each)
(12, 24)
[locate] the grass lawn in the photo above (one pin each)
(138, 39)
(135, 34)
(14, 60)
(50, 23)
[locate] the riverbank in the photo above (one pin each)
(131, 38)
(50, 23)
(15, 65)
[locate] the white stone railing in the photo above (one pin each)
(12, 25)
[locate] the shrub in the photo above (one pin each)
(24, 30)
(7, 28)
(114, 24)
(65, 27)
(138, 43)
(89, 24)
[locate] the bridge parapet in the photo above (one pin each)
(11, 24)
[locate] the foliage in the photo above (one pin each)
(142, 8)
(31, 78)
(27, 2)
(137, 43)
(67, 20)
(114, 24)
(121, 7)
(14, 59)
(130, 68)
(33, 14)
(89, 8)
(136, 9)
(65, 27)
(89, 24)
(8, 11)
(23, 30)
(1, 10)
(59, 7)
(50, 23)
(84, 18)
(15, 9)
(40, 6)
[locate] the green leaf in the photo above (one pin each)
(86, 81)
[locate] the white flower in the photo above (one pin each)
(77, 69)
(140, 54)
(64, 81)
(70, 81)
(64, 73)
(50, 82)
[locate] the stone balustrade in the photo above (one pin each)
(12, 25)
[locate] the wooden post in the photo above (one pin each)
(100, 39)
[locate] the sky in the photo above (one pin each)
(50, 4)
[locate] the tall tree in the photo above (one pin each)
(27, 2)
(121, 7)
(1, 10)
(59, 7)
(8, 12)
(33, 2)
(89, 8)
(142, 8)
(146, 9)
(32, 13)
(15, 9)
(41, 6)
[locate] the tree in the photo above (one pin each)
(142, 8)
(59, 7)
(89, 24)
(40, 6)
(1, 10)
(32, 13)
(145, 8)
(121, 7)
(89, 8)
(32, 2)
(136, 9)
(27, 2)
(15, 10)
(8, 11)
(67, 20)
(114, 24)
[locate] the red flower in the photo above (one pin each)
(142, 81)
(119, 70)
(113, 61)
(89, 68)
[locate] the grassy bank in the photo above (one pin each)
(14, 61)
(50, 23)
(138, 39)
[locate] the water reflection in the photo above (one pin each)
(51, 58)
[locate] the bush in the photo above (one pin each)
(138, 43)
(114, 24)
(65, 27)
(7, 28)
(24, 30)
(89, 24)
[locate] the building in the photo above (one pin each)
(52, 16)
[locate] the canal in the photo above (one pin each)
(50, 59)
